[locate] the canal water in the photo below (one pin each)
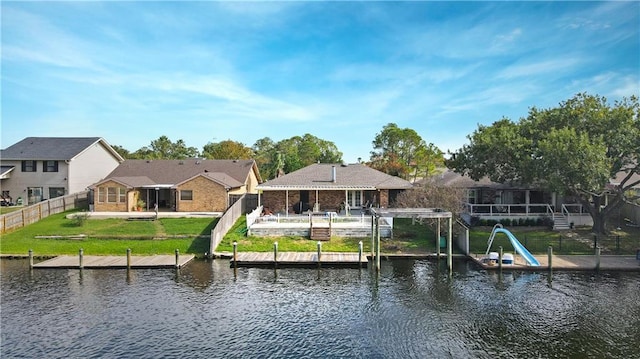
(414, 309)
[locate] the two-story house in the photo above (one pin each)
(39, 168)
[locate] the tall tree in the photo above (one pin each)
(574, 149)
(122, 151)
(164, 148)
(402, 152)
(293, 153)
(227, 150)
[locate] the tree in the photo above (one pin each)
(574, 149)
(291, 154)
(227, 150)
(402, 152)
(164, 148)
(122, 151)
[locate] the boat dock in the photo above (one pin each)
(569, 263)
(116, 262)
(332, 259)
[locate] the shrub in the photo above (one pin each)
(80, 218)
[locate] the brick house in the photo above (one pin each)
(328, 187)
(39, 168)
(193, 185)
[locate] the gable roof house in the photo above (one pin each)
(39, 168)
(192, 185)
(328, 187)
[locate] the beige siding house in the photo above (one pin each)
(39, 168)
(192, 185)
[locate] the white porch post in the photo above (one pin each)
(286, 204)
(527, 200)
(259, 197)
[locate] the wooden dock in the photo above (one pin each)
(116, 262)
(303, 259)
(571, 263)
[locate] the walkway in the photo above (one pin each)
(115, 262)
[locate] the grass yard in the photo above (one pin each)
(110, 236)
(407, 239)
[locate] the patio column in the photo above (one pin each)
(286, 204)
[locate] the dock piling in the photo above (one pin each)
(31, 258)
(550, 260)
(80, 255)
(500, 254)
(128, 258)
(598, 249)
(177, 258)
(360, 254)
(319, 252)
(275, 253)
(235, 254)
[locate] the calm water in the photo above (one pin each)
(414, 310)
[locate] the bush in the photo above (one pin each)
(80, 218)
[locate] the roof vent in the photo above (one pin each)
(198, 162)
(333, 174)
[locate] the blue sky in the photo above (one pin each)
(210, 71)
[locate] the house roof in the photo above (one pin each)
(347, 177)
(141, 173)
(449, 178)
(53, 148)
(6, 169)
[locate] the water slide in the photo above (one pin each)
(520, 249)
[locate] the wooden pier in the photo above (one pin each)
(116, 262)
(302, 259)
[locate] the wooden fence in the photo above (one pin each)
(227, 221)
(34, 213)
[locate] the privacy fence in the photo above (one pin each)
(34, 213)
(229, 218)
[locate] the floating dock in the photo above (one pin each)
(116, 262)
(303, 259)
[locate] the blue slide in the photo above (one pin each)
(520, 249)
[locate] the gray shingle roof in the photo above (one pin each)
(232, 173)
(320, 176)
(48, 148)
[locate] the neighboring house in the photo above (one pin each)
(330, 187)
(491, 200)
(192, 185)
(39, 168)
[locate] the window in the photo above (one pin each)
(112, 195)
(34, 194)
(29, 166)
(186, 195)
(56, 192)
(122, 194)
(49, 166)
(471, 196)
(354, 198)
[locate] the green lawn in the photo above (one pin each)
(190, 235)
(110, 236)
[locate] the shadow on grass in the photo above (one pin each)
(201, 244)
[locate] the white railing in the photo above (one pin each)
(509, 209)
(327, 217)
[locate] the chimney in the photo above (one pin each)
(333, 174)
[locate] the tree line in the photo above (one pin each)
(400, 152)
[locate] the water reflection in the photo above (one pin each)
(411, 309)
